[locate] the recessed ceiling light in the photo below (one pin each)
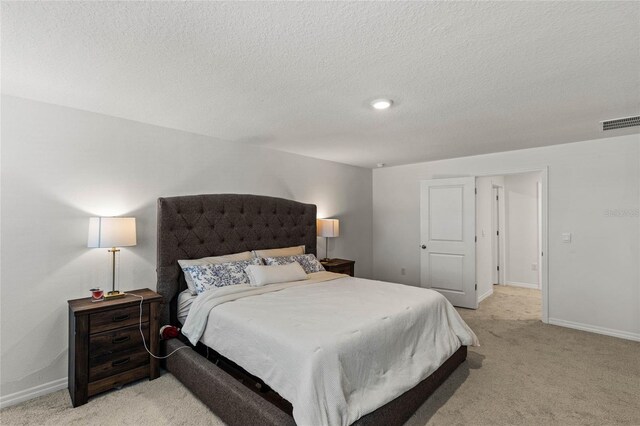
(382, 103)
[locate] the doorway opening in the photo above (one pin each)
(509, 226)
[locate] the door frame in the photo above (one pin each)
(498, 224)
(544, 231)
(539, 220)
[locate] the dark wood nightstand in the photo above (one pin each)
(105, 346)
(340, 266)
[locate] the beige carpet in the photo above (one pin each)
(525, 373)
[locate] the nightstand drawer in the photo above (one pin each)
(117, 318)
(110, 364)
(117, 340)
(346, 269)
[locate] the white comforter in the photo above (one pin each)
(336, 347)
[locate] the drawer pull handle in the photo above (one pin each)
(120, 339)
(118, 318)
(120, 362)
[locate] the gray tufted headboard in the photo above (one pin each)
(196, 226)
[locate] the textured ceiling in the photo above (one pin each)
(466, 78)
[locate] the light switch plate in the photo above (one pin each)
(566, 237)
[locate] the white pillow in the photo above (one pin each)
(260, 275)
(279, 252)
(214, 260)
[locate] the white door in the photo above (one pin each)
(496, 237)
(447, 230)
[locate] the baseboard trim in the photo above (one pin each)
(485, 295)
(34, 392)
(524, 285)
(595, 329)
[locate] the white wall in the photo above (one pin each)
(60, 166)
(594, 281)
(521, 251)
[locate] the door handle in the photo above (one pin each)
(423, 247)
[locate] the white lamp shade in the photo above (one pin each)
(112, 232)
(328, 228)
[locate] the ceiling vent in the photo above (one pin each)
(620, 123)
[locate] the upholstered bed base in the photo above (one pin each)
(221, 392)
(224, 394)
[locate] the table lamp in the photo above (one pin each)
(112, 232)
(327, 228)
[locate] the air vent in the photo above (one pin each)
(620, 123)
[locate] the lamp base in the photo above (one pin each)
(113, 295)
(325, 260)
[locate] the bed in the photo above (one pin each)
(193, 227)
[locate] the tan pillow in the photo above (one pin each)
(213, 260)
(279, 252)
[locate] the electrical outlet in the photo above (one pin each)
(534, 266)
(403, 271)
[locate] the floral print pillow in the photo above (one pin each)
(219, 275)
(308, 262)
